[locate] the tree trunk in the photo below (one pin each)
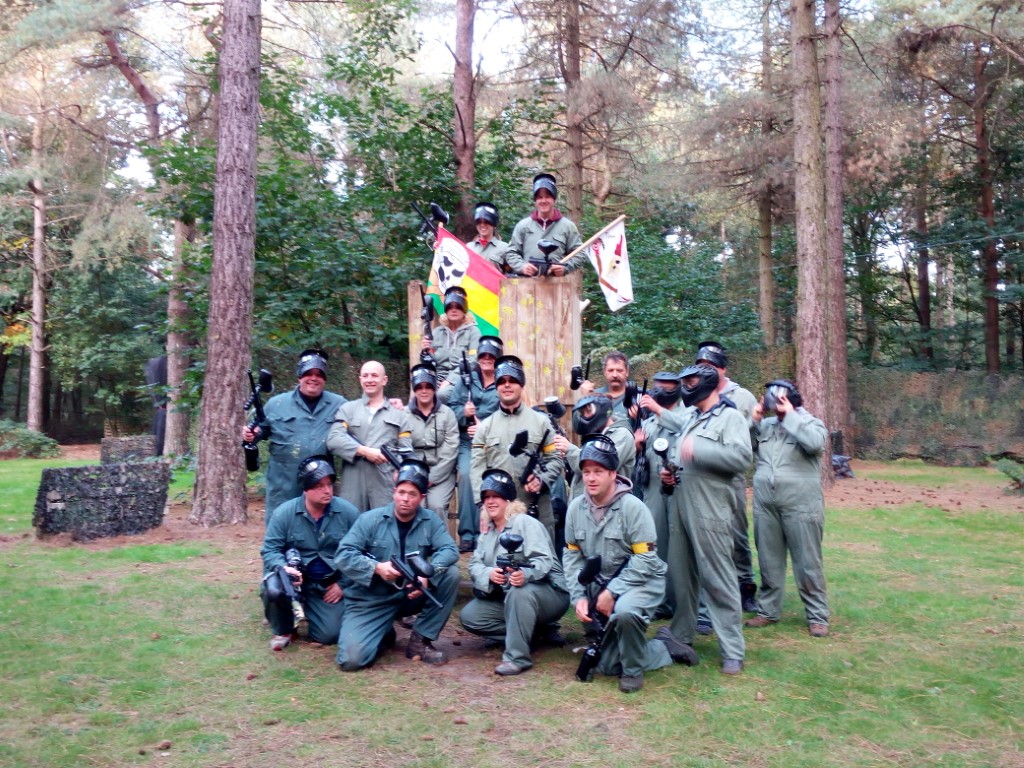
(571, 74)
(220, 473)
(812, 302)
(837, 415)
(178, 343)
(37, 347)
(765, 276)
(464, 125)
(986, 208)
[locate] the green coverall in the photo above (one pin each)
(515, 612)
(789, 512)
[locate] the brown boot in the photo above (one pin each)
(421, 648)
(759, 621)
(818, 630)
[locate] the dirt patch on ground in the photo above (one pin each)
(84, 452)
(867, 490)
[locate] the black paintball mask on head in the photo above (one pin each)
(486, 212)
(666, 390)
(545, 181)
(590, 415)
(773, 389)
(511, 366)
(500, 482)
(416, 472)
(705, 382)
(490, 345)
(309, 360)
(423, 374)
(712, 352)
(314, 469)
(601, 449)
(456, 296)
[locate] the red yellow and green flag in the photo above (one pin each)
(455, 264)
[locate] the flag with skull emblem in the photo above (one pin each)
(455, 264)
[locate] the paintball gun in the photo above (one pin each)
(591, 578)
(279, 582)
(546, 247)
(465, 373)
(411, 567)
(518, 448)
(438, 215)
(642, 468)
(427, 314)
(578, 376)
(660, 447)
(511, 543)
(266, 385)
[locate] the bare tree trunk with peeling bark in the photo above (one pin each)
(37, 348)
(220, 472)
(464, 121)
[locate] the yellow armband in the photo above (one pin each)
(644, 547)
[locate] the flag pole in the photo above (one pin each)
(592, 239)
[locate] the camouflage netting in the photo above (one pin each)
(106, 500)
(116, 450)
(956, 418)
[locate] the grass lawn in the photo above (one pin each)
(152, 653)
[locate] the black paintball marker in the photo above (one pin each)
(578, 376)
(591, 578)
(660, 447)
(394, 459)
(427, 315)
(279, 582)
(466, 374)
(412, 566)
(518, 448)
(265, 385)
(642, 468)
(438, 215)
(546, 247)
(511, 543)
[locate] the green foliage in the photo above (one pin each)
(25, 443)
(1013, 470)
(679, 300)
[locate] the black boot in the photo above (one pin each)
(748, 597)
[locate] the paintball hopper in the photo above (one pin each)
(421, 565)
(554, 406)
(510, 542)
(590, 571)
(519, 443)
(629, 397)
(660, 447)
(547, 247)
(578, 376)
(439, 214)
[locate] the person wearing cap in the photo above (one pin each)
(661, 400)
(510, 604)
(455, 333)
(471, 406)
(485, 216)
(609, 522)
(713, 445)
(789, 506)
(616, 373)
(376, 594)
(297, 426)
(360, 428)
(435, 437)
(592, 415)
(712, 353)
(496, 433)
(313, 524)
(546, 222)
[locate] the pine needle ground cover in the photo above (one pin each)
(149, 650)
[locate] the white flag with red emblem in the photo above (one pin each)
(607, 252)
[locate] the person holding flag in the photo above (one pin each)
(546, 222)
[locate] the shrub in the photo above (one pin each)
(25, 443)
(1015, 471)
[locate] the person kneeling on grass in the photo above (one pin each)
(377, 593)
(312, 525)
(517, 580)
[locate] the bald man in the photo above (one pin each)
(361, 427)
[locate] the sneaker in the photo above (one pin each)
(759, 621)
(280, 642)
(731, 666)
(631, 683)
(507, 668)
(681, 652)
(704, 628)
(818, 630)
(421, 648)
